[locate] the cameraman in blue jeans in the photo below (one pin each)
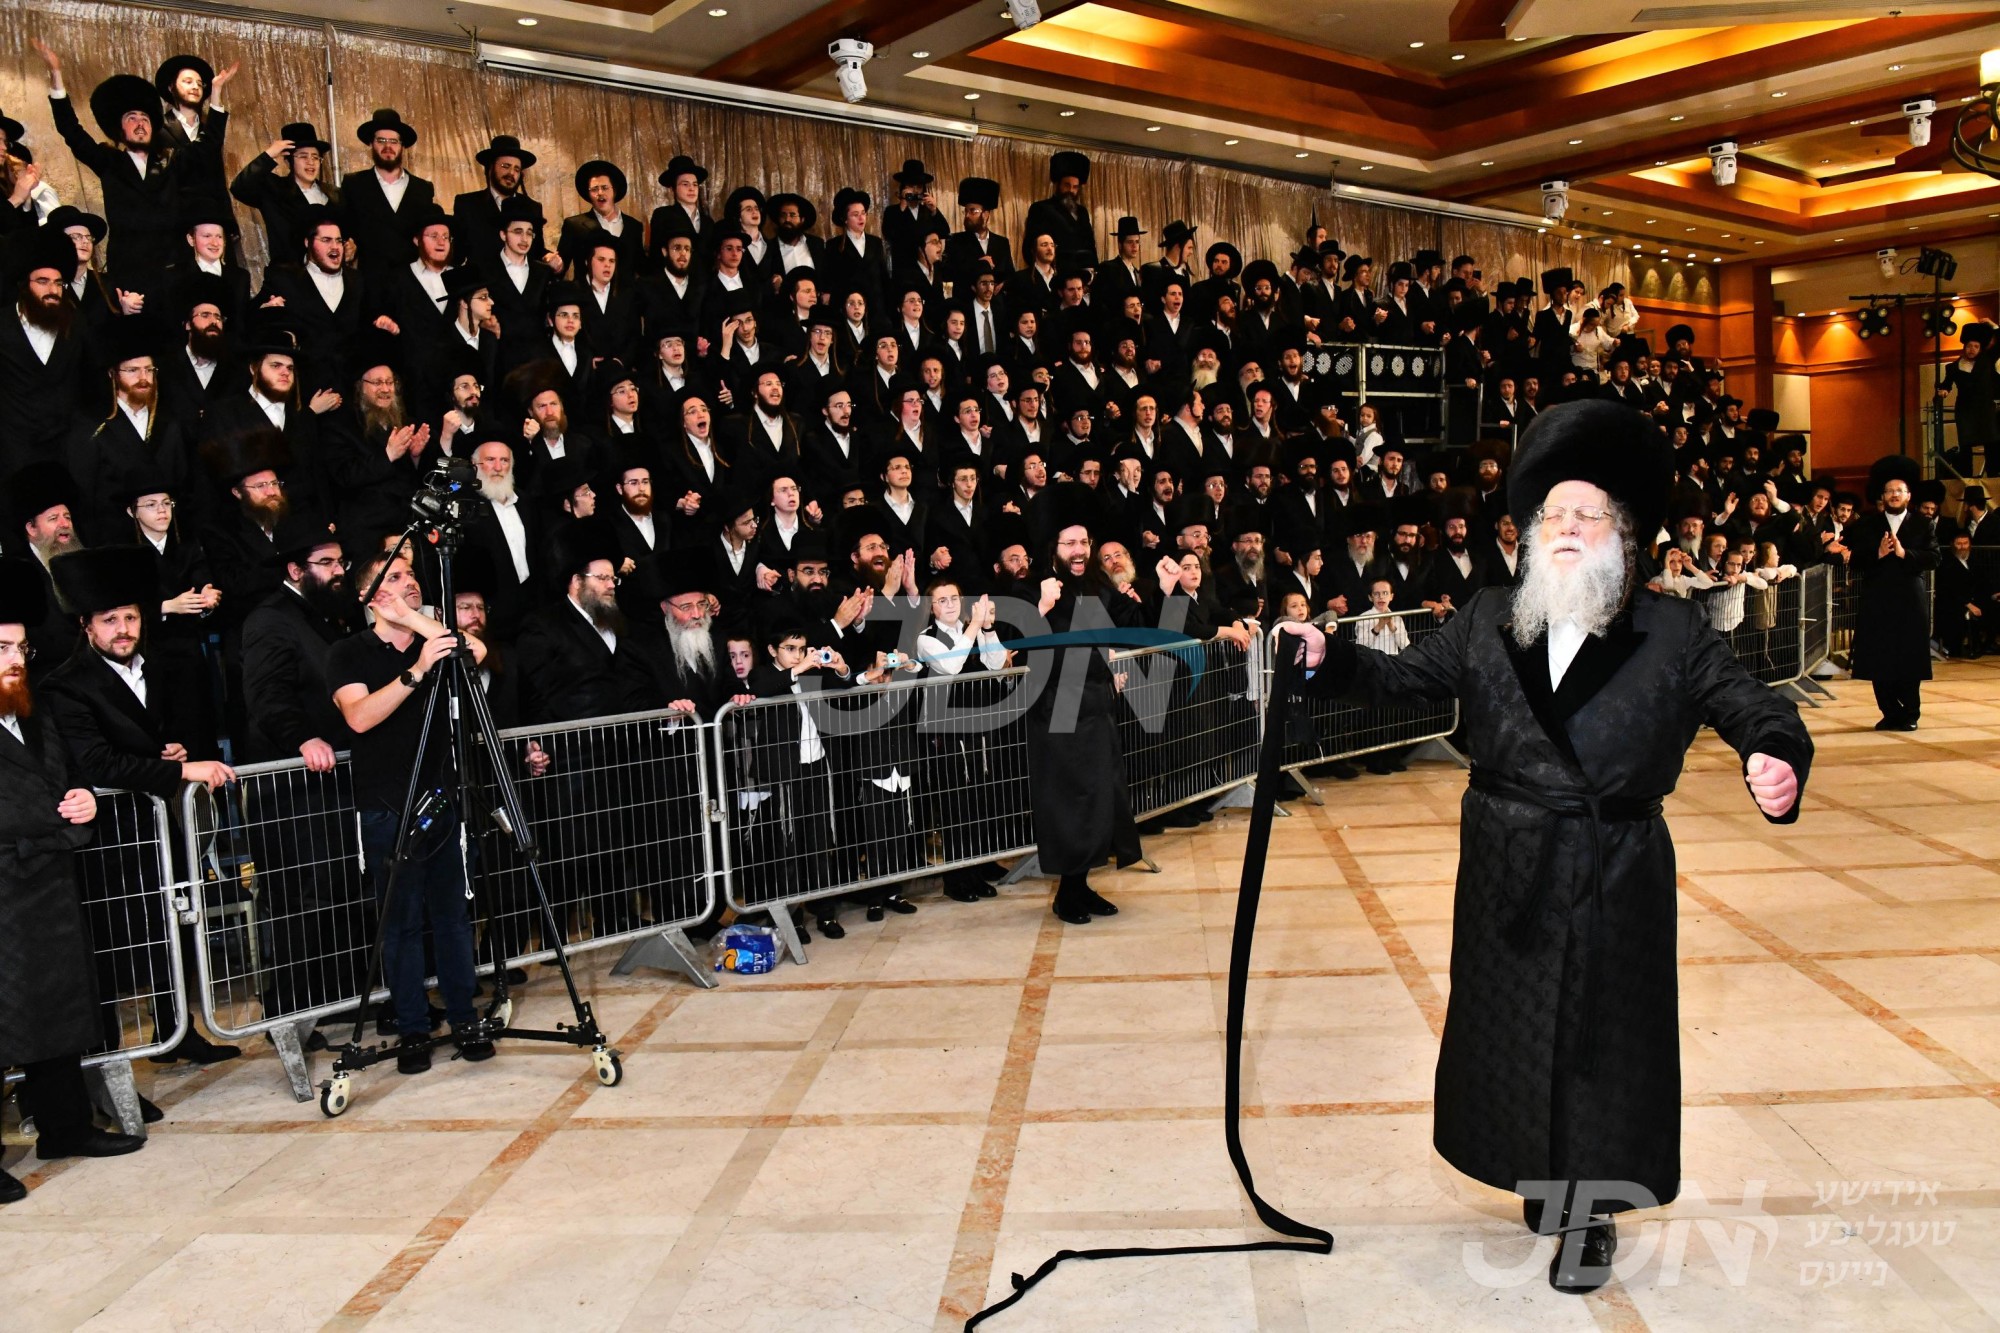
(381, 679)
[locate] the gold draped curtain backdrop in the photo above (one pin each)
(456, 106)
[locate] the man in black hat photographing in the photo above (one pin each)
(1559, 1073)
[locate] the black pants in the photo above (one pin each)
(53, 1092)
(1899, 700)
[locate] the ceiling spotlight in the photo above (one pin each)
(1635, 246)
(1487, 163)
(1025, 13)
(1458, 55)
(1416, 46)
(1874, 323)
(1756, 242)
(1651, 221)
(1576, 143)
(1576, 236)
(920, 55)
(1605, 241)
(527, 23)
(1540, 230)
(1231, 143)
(1778, 94)
(1855, 122)
(1067, 114)
(1676, 119)
(1826, 161)
(1661, 163)
(1663, 249)
(1690, 254)
(1725, 235)
(1301, 154)
(1152, 129)
(1689, 229)
(849, 55)
(1894, 69)
(1366, 166)
(718, 13)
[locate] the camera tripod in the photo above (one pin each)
(459, 687)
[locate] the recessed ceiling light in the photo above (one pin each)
(1854, 122)
(920, 55)
(718, 13)
(1416, 46)
(1067, 114)
(1690, 254)
(1779, 94)
(1690, 228)
(1676, 119)
(1716, 259)
(1487, 163)
(1605, 241)
(1458, 55)
(1152, 129)
(1574, 143)
(1576, 236)
(1894, 68)
(1756, 242)
(1663, 249)
(1661, 163)
(1517, 39)
(1635, 247)
(527, 23)
(1231, 143)
(1826, 161)
(1301, 154)
(1838, 239)
(972, 97)
(1725, 235)
(1366, 166)
(1911, 227)
(1651, 221)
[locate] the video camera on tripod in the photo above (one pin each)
(448, 496)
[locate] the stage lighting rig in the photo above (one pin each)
(1874, 322)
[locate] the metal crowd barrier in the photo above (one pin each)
(619, 817)
(1191, 722)
(1768, 636)
(1815, 617)
(839, 791)
(1321, 730)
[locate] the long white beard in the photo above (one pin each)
(694, 649)
(498, 492)
(1591, 592)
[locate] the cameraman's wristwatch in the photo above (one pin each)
(410, 682)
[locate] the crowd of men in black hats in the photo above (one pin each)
(739, 429)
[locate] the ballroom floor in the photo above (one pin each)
(875, 1141)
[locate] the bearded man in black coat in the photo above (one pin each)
(1893, 550)
(1579, 694)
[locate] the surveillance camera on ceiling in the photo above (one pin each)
(1886, 258)
(1025, 13)
(1722, 161)
(849, 55)
(1555, 199)
(1918, 110)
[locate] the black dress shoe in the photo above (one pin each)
(414, 1059)
(196, 1049)
(91, 1143)
(11, 1190)
(960, 893)
(1380, 767)
(897, 904)
(149, 1113)
(1343, 770)
(1095, 903)
(832, 929)
(987, 891)
(992, 872)
(517, 976)
(874, 912)
(1071, 914)
(1583, 1259)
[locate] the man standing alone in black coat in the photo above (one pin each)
(1893, 550)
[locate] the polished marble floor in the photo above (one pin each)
(875, 1141)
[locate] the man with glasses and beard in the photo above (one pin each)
(311, 921)
(199, 373)
(126, 729)
(48, 1013)
(1580, 693)
(374, 452)
(41, 353)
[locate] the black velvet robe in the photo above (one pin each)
(1533, 1083)
(1076, 766)
(48, 998)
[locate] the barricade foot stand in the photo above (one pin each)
(788, 935)
(1806, 687)
(1298, 775)
(292, 1055)
(1028, 867)
(670, 950)
(1242, 797)
(1441, 749)
(117, 1095)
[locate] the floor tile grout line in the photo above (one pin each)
(969, 1273)
(395, 1276)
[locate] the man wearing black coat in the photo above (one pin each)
(142, 205)
(48, 1010)
(978, 248)
(42, 354)
(1892, 551)
(377, 201)
(1063, 214)
(475, 214)
(1560, 1061)
(124, 730)
(320, 299)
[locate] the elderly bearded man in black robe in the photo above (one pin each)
(1580, 692)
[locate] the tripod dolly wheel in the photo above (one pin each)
(333, 1096)
(609, 1071)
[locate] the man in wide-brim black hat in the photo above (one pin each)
(1893, 549)
(141, 202)
(602, 185)
(1063, 214)
(475, 215)
(1580, 692)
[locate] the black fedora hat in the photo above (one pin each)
(680, 164)
(163, 78)
(111, 99)
(305, 134)
(504, 145)
(387, 118)
(1176, 232)
(13, 129)
(913, 173)
(106, 578)
(1128, 226)
(66, 216)
(597, 166)
(981, 190)
(808, 215)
